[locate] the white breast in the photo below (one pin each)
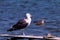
(28, 20)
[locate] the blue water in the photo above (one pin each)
(13, 10)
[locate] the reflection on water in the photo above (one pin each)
(13, 10)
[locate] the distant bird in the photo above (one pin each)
(39, 22)
(49, 35)
(22, 24)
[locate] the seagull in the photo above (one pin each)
(39, 22)
(22, 23)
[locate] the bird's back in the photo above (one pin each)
(21, 24)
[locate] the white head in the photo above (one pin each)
(28, 15)
(28, 18)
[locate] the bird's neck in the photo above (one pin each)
(28, 20)
(42, 21)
